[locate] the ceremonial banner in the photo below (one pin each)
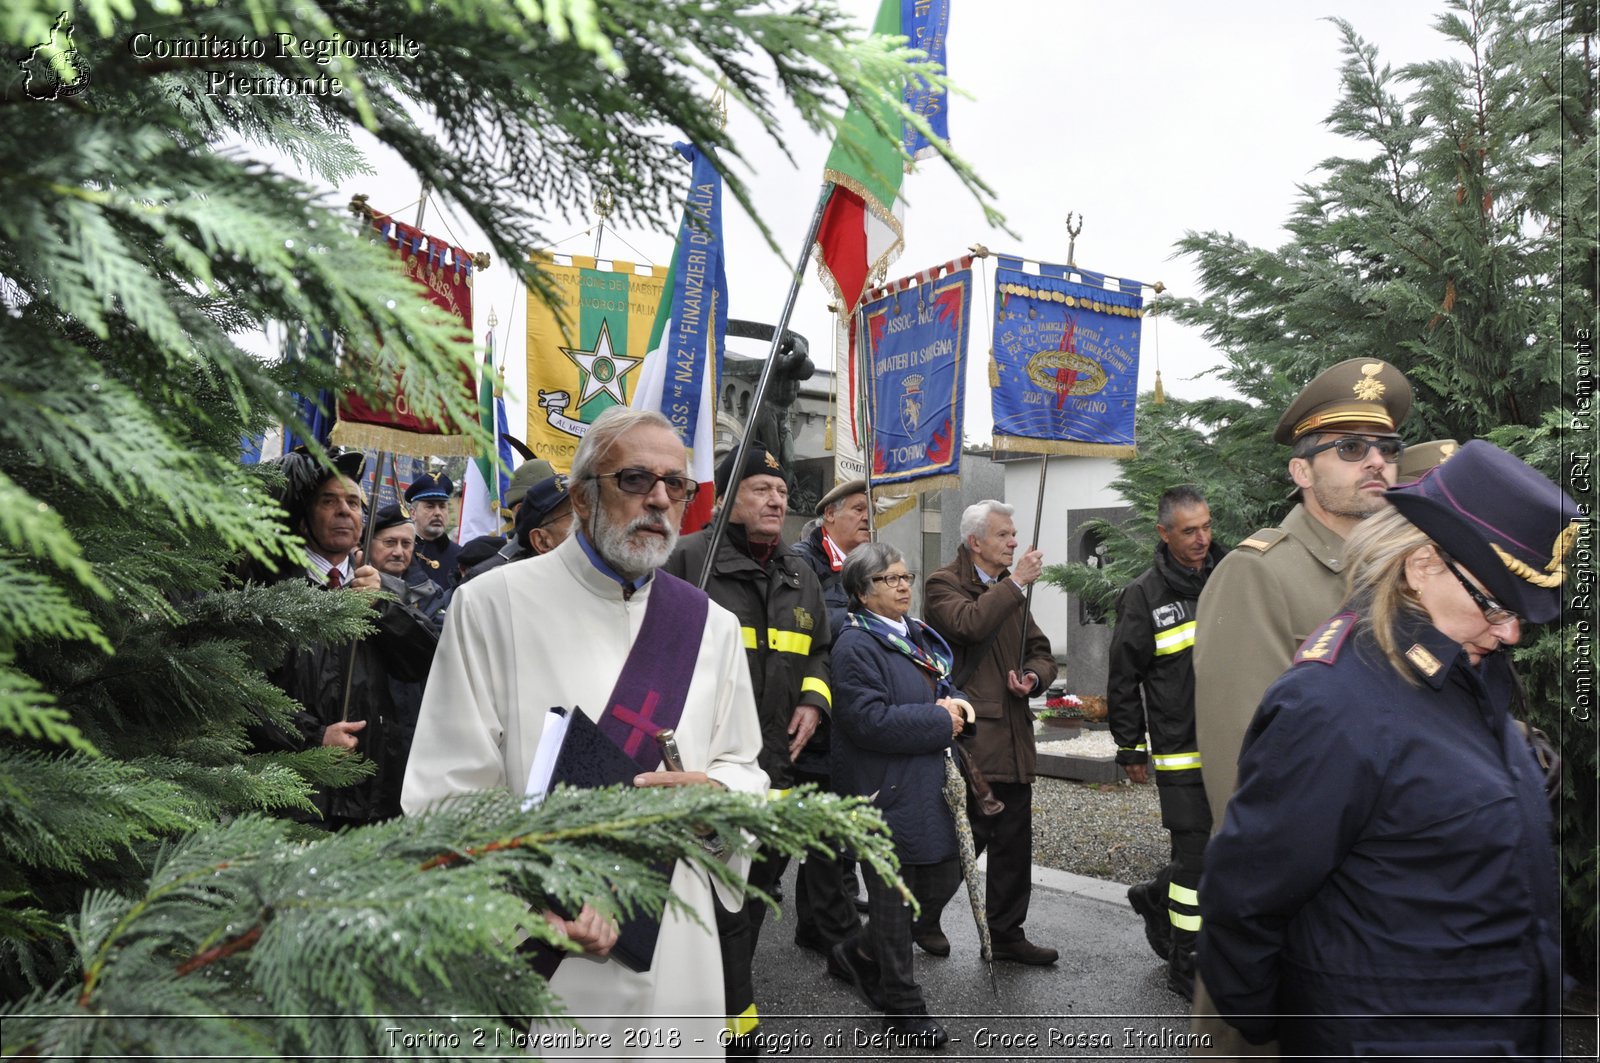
(1065, 373)
(917, 354)
(444, 274)
(683, 368)
(583, 351)
(861, 228)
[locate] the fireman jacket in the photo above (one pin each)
(1152, 648)
(784, 621)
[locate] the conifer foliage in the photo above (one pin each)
(1457, 240)
(147, 226)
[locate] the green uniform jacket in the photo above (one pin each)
(784, 621)
(1265, 598)
(964, 610)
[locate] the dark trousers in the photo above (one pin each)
(1008, 836)
(1186, 814)
(822, 907)
(737, 932)
(887, 937)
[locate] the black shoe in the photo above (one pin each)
(933, 941)
(846, 963)
(809, 937)
(915, 1031)
(1157, 927)
(1024, 951)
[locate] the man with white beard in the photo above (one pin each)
(502, 664)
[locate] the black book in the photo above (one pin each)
(587, 759)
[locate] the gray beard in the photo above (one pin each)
(630, 558)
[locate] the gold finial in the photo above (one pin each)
(493, 318)
(978, 251)
(719, 103)
(604, 203)
(360, 207)
(481, 260)
(1158, 287)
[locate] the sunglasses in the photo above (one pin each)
(1493, 611)
(1355, 448)
(642, 482)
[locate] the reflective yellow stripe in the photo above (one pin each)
(1176, 761)
(773, 795)
(813, 683)
(739, 1025)
(789, 641)
(1184, 922)
(782, 641)
(1182, 895)
(1174, 639)
(1140, 748)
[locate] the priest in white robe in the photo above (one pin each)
(555, 630)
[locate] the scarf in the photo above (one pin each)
(936, 659)
(831, 549)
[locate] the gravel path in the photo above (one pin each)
(1108, 831)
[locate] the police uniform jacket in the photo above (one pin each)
(965, 610)
(1273, 590)
(436, 559)
(390, 666)
(1152, 648)
(1388, 853)
(784, 622)
(889, 742)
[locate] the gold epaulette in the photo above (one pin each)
(1264, 540)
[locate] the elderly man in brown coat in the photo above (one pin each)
(978, 602)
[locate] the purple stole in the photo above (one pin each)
(654, 684)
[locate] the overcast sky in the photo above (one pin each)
(1148, 120)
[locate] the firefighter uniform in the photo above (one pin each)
(784, 620)
(1151, 688)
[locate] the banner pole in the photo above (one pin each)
(1038, 522)
(366, 551)
(863, 400)
(720, 524)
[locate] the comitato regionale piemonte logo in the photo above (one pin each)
(54, 70)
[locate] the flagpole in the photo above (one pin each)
(863, 398)
(719, 524)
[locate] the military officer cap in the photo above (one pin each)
(844, 490)
(389, 516)
(526, 475)
(1502, 520)
(758, 461)
(1358, 391)
(1418, 458)
(430, 485)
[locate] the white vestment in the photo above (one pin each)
(554, 630)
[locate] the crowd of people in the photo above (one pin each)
(1361, 852)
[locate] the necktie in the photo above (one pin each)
(335, 581)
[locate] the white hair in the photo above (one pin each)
(975, 518)
(603, 434)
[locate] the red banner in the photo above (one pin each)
(444, 273)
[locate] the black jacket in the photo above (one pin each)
(385, 690)
(1152, 648)
(784, 621)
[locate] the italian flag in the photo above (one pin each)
(483, 494)
(648, 394)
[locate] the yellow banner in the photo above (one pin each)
(585, 351)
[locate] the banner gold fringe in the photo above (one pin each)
(1067, 447)
(905, 505)
(896, 511)
(397, 441)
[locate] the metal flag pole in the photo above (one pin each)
(863, 403)
(1038, 523)
(720, 524)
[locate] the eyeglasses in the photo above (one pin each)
(642, 482)
(1355, 448)
(1493, 611)
(896, 579)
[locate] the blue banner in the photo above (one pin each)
(926, 24)
(917, 357)
(699, 321)
(1066, 352)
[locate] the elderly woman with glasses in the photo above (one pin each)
(1384, 881)
(895, 715)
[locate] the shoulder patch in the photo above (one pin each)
(1264, 540)
(1423, 661)
(1324, 643)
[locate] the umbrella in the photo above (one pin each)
(955, 795)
